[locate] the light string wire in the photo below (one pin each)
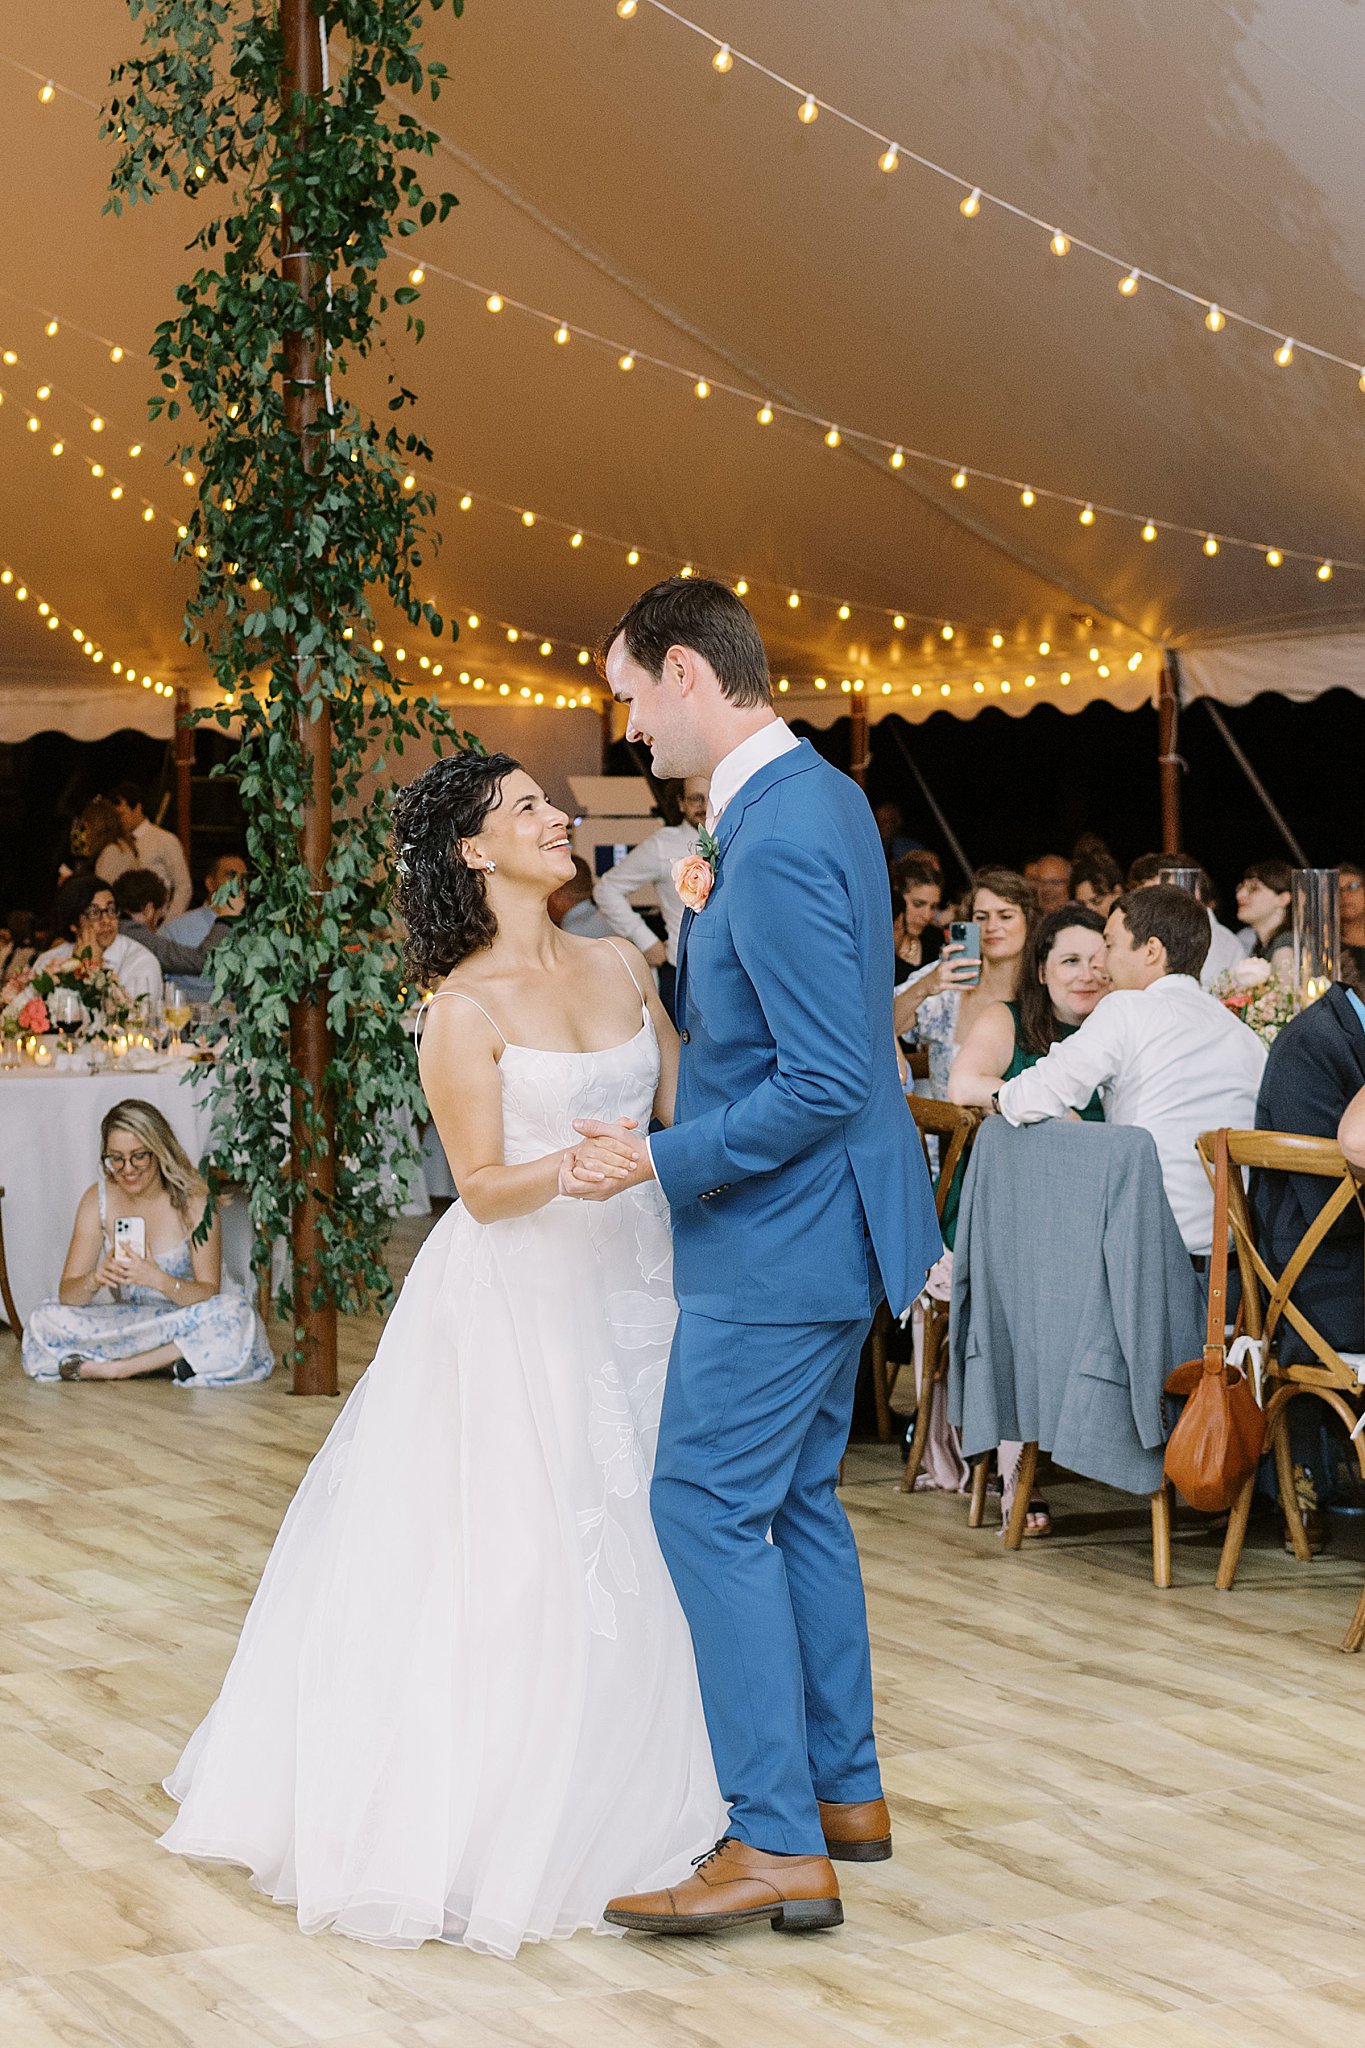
(894, 153)
(898, 453)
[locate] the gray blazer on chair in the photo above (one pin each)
(1073, 1298)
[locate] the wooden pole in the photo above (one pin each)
(184, 766)
(1168, 765)
(314, 1155)
(858, 754)
(608, 718)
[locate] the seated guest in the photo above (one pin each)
(937, 1007)
(16, 944)
(1351, 1131)
(141, 896)
(1168, 1056)
(916, 893)
(86, 910)
(1064, 978)
(1096, 881)
(1051, 879)
(1225, 948)
(571, 906)
(154, 847)
(96, 833)
(192, 927)
(1265, 896)
(1351, 899)
(168, 1307)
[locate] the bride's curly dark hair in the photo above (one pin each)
(444, 902)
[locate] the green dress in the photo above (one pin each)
(1020, 1061)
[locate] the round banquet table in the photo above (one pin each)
(49, 1142)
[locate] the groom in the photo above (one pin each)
(799, 1199)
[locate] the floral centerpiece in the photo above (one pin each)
(108, 1006)
(1253, 991)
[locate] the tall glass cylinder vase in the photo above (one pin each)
(1176, 874)
(1317, 932)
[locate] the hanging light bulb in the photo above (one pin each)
(1060, 243)
(57, 447)
(96, 424)
(794, 600)
(702, 388)
(898, 458)
(945, 632)
(807, 111)
(1274, 558)
(494, 302)
(997, 639)
(1088, 515)
(724, 59)
(625, 362)
(1324, 572)
(899, 622)
(116, 354)
(1284, 354)
(626, 9)
(960, 480)
(1134, 663)
(742, 588)
(1045, 647)
(465, 502)
(47, 92)
(1210, 544)
(561, 334)
(1128, 285)
(843, 611)
(11, 358)
(416, 274)
(97, 469)
(764, 415)
(633, 557)
(546, 648)
(1215, 320)
(970, 207)
(833, 438)
(576, 540)
(43, 393)
(1026, 497)
(473, 622)
(1149, 531)
(1361, 380)
(409, 482)
(889, 160)
(51, 330)
(528, 518)
(583, 657)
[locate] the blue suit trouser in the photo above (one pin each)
(755, 1421)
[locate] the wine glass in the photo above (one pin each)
(67, 1013)
(176, 1010)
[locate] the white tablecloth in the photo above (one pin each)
(49, 1155)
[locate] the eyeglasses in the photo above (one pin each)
(115, 1162)
(103, 910)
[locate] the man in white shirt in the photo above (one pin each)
(156, 849)
(652, 862)
(1168, 1056)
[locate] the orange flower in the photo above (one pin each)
(692, 878)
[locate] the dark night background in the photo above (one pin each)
(1010, 787)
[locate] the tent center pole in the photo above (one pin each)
(858, 755)
(184, 766)
(1168, 761)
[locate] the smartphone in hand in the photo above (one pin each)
(968, 937)
(130, 1235)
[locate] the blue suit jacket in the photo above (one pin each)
(793, 1169)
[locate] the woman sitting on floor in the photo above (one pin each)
(169, 1310)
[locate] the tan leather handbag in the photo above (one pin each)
(1221, 1431)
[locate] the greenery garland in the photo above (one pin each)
(288, 541)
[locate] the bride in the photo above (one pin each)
(464, 1705)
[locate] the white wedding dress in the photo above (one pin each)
(464, 1704)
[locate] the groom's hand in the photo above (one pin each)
(614, 1150)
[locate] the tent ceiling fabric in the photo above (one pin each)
(607, 175)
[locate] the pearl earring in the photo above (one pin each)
(490, 867)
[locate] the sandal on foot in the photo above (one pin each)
(70, 1367)
(1038, 1521)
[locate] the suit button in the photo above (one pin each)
(687, 1038)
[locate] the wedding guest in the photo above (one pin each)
(1065, 976)
(16, 945)
(86, 910)
(153, 847)
(896, 841)
(1168, 1056)
(1051, 879)
(916, 896)
(1096, 881)
(169, 1308)
(1351, 898)
(651, 862)
(97, 832)
(572, 908)
(1265, 897)
(1351, 1131)
(192, 927)
(141, 896)
(942, 1003)
(1225, 948)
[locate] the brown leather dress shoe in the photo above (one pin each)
(735, 1883)
(859, 1833)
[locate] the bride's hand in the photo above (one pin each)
(583, 1183)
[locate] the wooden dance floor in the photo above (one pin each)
(1123, 1819)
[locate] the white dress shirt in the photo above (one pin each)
(729, 776)
(1225, 951)
(137, 971)
(651, 861)
(1171, 1060)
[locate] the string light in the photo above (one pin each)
(561, 334)
(528, 518)
(971, 205)
(833, 438)
(1324, 572)
(702, 388)
(1027, 497)
(1210, 544)
(1215, 320)
(1273, 557)
(626, 9)
(807, 111)
(47, 93)
(1087, 515)
(626, 362)
(897, 458)
(1284, 354)
(1060, 243)
(1148, 530)
(494, 302)
(764, 415)
(1128, 285)
(960, 480)
(889, 160)
(723, 59)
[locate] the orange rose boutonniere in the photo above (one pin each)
(694, 876)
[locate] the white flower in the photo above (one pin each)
(1251, 973)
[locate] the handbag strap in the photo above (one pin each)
(1215, 1351)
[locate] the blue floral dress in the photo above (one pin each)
(222, 1341)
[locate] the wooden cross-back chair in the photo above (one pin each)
(955, 1128)
(1268, 1309)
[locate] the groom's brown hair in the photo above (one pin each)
(693, 611)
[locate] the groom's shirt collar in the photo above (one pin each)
(743, 762)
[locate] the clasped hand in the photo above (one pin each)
(609, 1160)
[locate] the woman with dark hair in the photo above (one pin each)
(1265, 897)
(467, 1606)
(916, 894)
(1063, 979)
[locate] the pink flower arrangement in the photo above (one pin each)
(33, 1017)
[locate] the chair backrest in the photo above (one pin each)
(1266, 1302)
(956, 1127)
